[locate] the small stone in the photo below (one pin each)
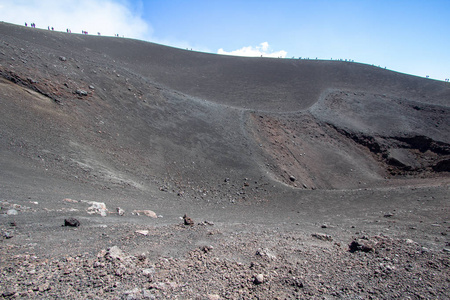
(425, 250)
(446, 250)
(188, 221)
(206, 249)
(7, 235)
(71, 222)
(62, 58)
(115, 253)
(259, 279)
(410, 242)
(148, 272)
(359, 246)
(70, 200)
(91, 87)
(120, 211)
(292, 178)
(12, 212)
(143, 232)
(322, 236)
(102, 253)
(81, 92)
(148, 213)
(142, 257)
(97, 208)
(8, 293)
(293, 281)
(265, 252)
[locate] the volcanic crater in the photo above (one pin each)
(282, 163)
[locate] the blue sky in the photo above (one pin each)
(406, 36)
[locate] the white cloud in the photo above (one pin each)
(262, 49)
(182, 44)
(109, 17)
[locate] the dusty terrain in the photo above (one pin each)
(303, 179)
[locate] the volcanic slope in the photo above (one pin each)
(135, 113)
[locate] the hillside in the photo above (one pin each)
(277, 143)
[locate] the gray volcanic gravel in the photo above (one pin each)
(225, 263)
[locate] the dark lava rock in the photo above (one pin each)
(71, 222)
(358, 246)
(188, 221)
(442, 166)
